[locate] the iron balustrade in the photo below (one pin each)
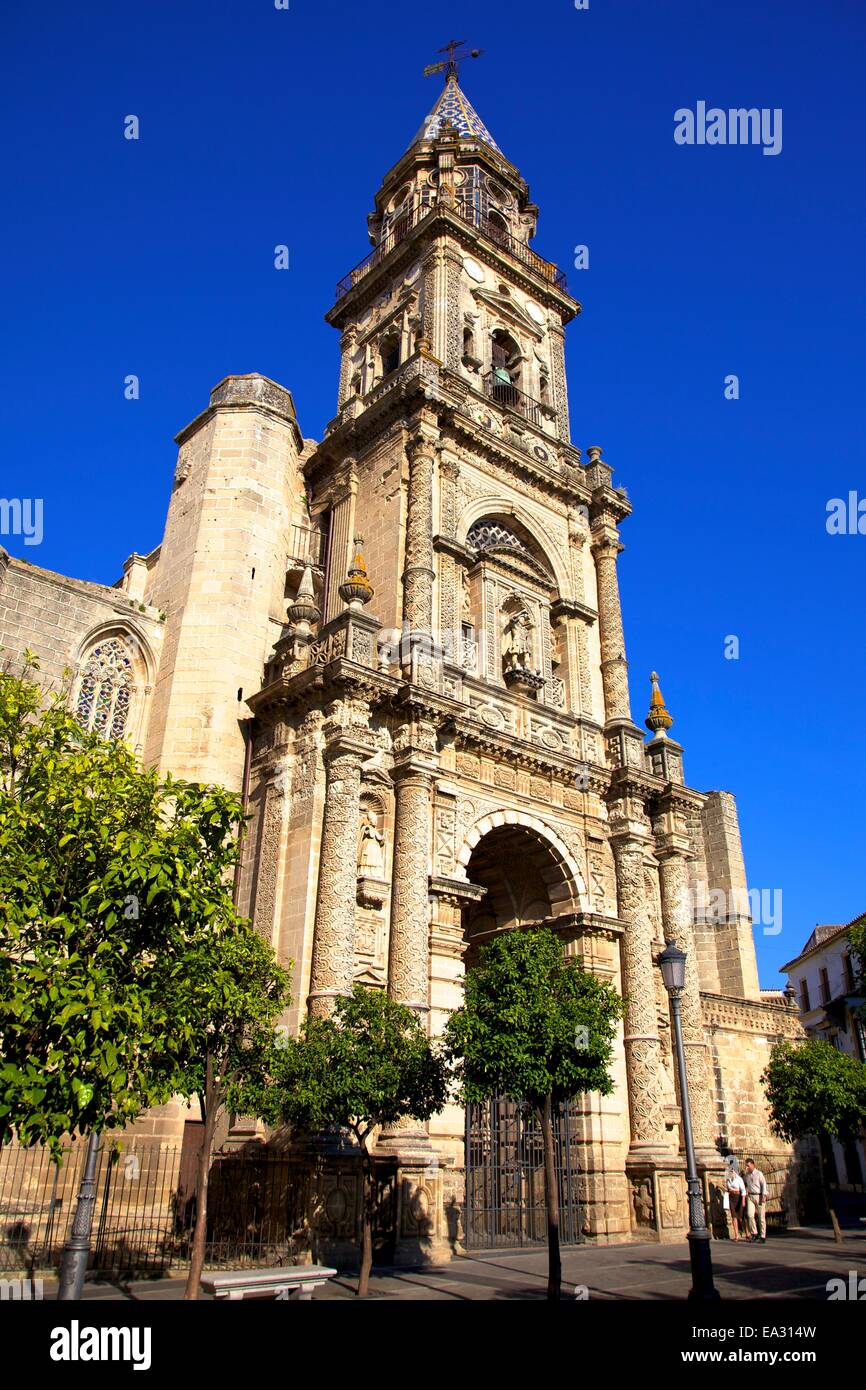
(498, 234)
(506, 393)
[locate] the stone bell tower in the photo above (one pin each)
(444, 747)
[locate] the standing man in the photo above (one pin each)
(756, 1202)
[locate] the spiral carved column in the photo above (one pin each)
(677, 925)
(408, 964)
(334, 931)
(419, 572)
(642, 1047)
(614, 667)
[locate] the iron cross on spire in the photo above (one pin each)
(451, 65)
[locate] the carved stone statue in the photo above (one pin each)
(517, 642)
(371, 859)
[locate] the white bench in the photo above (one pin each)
(301, 1279)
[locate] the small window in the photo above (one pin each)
(497, 227)
(390, 355)
(825, 986)
(850, 982)
(805, 1005)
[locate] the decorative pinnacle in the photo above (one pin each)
(356, 588)
(304, 609)
(658, 720)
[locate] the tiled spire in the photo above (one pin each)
(453, 106)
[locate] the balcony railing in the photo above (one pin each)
(497, 234)
(518, 249)
(308, 546)
(507, 394)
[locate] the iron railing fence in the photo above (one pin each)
(505, 1204)
(403, 225)
(143, 1219)
(507, 394)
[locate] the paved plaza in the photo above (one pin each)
(795, 1265)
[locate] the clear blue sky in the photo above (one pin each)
(261, 126)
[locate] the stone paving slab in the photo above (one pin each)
(795, 1265)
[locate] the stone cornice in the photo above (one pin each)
(751, 1015)
(572, 608)
(504, 746)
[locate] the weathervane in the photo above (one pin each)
(451, 65)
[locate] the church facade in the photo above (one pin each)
(404, 646)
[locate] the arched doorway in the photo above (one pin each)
(527, 878)
(529, 881)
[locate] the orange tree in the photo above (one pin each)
(535, 1028)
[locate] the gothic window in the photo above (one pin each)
(106, 689)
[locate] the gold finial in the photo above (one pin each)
(658, 720)
(356, 587)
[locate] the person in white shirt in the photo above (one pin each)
(736, 1190)
(756, 1201)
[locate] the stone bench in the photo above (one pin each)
(301, 1279)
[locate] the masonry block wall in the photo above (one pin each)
(55, 616)
(221, 574)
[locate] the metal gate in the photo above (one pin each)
(504, 1206)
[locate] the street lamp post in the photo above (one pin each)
(673, 967)
(76, 1251)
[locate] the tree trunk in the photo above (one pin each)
(551, 1197)
(824, 1143)
(367, 1196)
(199, 1235)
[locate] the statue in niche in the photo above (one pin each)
(517, 642)
(371, 858)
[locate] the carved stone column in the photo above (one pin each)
(409, 939)
(334, 932)
(643, 1058)
(678, 926)
(614, 667)
(408, 963)
(419, 572)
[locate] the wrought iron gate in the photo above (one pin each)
(504, 1206)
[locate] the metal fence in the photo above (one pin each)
(143, 1218)
(505, 1203)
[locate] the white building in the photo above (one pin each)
(823, 977)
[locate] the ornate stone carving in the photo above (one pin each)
(678, 926)
(334, 933)
(641, 1036)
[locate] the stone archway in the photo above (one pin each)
(529, 873)
(531, 879)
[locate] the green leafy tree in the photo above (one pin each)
(121, 953)
(228, 991)
(367, 1065)
(538, 1029)
(814, 1089)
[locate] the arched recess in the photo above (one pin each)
(113, 677)
(505, 507)
(530, 873)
